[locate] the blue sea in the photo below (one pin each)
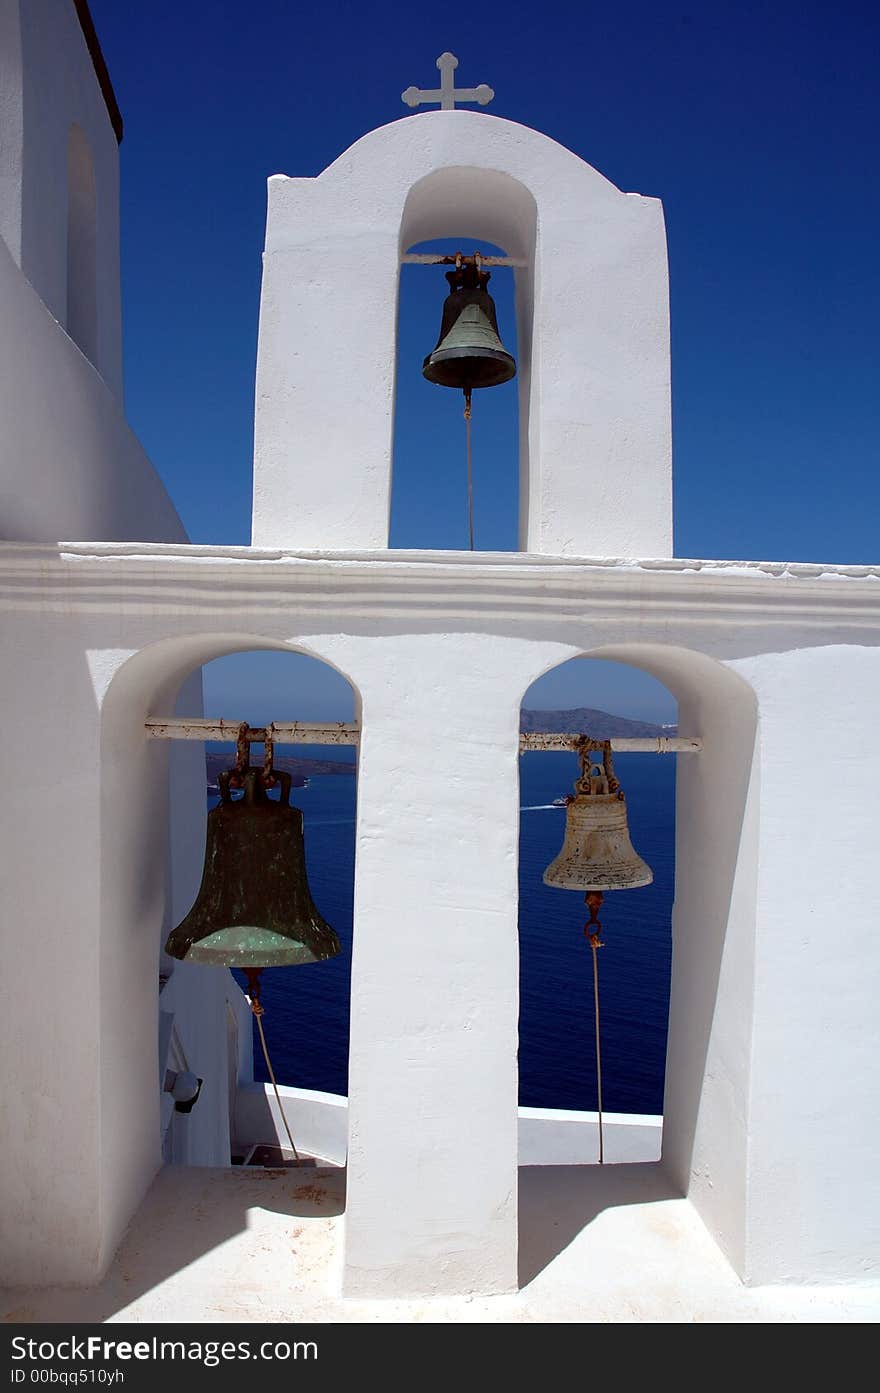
(307, 1009)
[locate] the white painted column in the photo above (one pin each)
(814, 1092)
(49, 1027)
(80, 948)
(325, 377)
(709, 1056)
(432, 1161)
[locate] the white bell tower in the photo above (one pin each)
(592, 318)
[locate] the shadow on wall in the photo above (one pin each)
(556, 1203)
(82, 263)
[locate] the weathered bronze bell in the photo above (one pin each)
(254, 908)
(469, 351)
(597, 853)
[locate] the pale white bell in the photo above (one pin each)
(597, 853)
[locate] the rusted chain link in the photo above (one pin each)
(242, 756)
(586, 747)
(247, 736)
(268, 776)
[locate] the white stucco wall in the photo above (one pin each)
(11, 126)
(48, 84)
(593, 325)
(70, 466)
(773, 1027)
(706, 1131)
(814, 1086)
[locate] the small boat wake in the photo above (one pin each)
(540, 807)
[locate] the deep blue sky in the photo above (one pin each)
(754, 123)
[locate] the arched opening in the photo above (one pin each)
(429, 498)
(82, 264)
(205, 1026)
(307, 1009)
(706, 1080)
(462, 210)
(557, 1055)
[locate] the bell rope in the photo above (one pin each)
(470, 468)
(592, 930)
(253, 976)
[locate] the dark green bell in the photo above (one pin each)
(254, 908)
(469, 352)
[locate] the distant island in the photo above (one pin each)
(575, 721)
(586, 720)
(300, 769)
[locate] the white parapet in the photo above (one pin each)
(547, 1136)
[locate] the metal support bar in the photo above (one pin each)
(283, 732)
(349, 733)
(426, 259)
(621, 744)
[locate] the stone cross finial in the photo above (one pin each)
(447, 94)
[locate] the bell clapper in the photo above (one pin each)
(593, 900)
(592, 929)
(253, 976)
